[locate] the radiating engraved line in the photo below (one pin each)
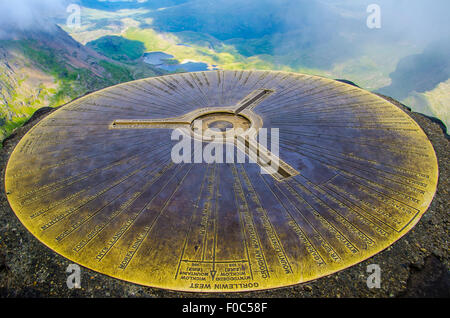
(82, 176)
(209, 198)
(160, 98)
(378, 229)
(299, 95)
(195, 98)
(355, 140)
(310, 247)
(326, 224)
(341, 156)
(194, 214)
(65, 162)
(340, 168)
(99, 228)
(154, 221)
(131, 220)
(369, 213)
(340, 218)
(85, 201)
(381, 194)
(216, 219)
(242, 224)
(182, 94)
(264, 215)
(91, 215)
(250, 219)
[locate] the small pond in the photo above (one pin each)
(161, 60)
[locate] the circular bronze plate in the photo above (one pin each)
(95, 182)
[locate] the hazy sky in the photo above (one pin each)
(416, 20)
(26, 15)
(421, 20)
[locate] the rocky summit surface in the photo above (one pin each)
(417, 265)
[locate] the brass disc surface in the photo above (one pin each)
(112, 199)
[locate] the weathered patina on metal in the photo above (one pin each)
(95, 181)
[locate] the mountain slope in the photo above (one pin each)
(49, 69)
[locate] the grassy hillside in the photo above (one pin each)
(41, 69)
(118, 48)
(434, 103)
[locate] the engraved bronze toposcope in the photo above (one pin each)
(95, 180)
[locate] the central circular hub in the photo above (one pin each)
(220, 125)
(220, 122)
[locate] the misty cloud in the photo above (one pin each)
(30, 15)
